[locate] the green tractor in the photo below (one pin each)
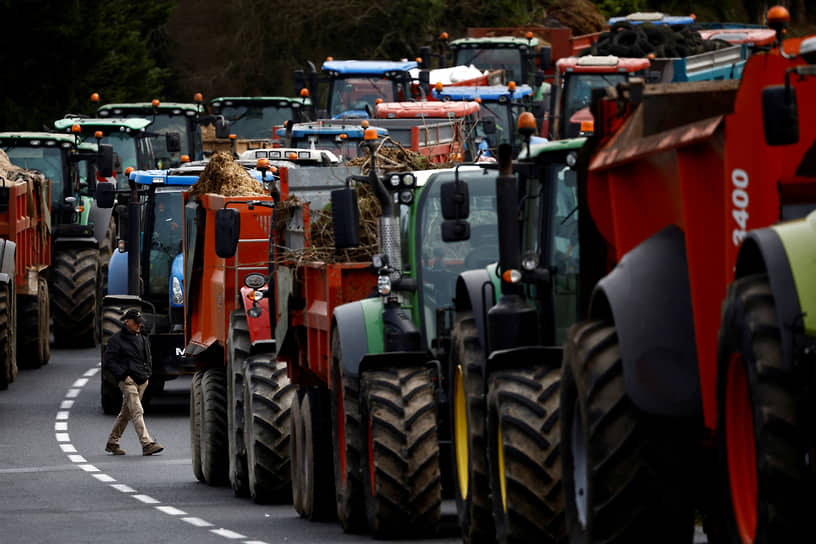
(511, 318)
(82, 233)
(131, 148)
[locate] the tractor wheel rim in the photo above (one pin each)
(460, 432)
(741, 450)
(579, 466)
(501, 468)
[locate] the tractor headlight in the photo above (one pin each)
(384, 284)
(177, 291)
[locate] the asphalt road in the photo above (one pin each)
(57, 484)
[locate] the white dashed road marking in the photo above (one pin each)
(64, 440)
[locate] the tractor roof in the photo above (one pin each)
(568, 144)
(105, 125)
(367, 67)
(299, 130)
(280, 101)
(173, 108)
(167, 177)
(494, 42)
(47, 139)
(654, 17)
(488, 93)
(434, 109)
(602, 64)
(305, 156)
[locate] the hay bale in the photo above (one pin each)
(223, 175)
(391, 156)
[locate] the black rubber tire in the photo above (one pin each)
(524, 437)
(750, 338)
(638, 474)
(106, 244)
(401, 478)
(213, 427)
(195, 425)
(110, 394)
(239, 345)
(7, 362)
(268, 396)
(471, 475)
(74, 288)
(296, 453)
(33, 343)
(317, 478)
(346, 443)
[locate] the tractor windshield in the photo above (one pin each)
(578, 94)
(161, 125)
(128, 151)
(256, 121)
(441, 262)
(47, 160)
(163, 223)
(491, 58)
(355, 93)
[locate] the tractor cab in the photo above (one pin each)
(510, 54)
(260, 117)
(343, 140)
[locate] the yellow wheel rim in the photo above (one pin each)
(460, 431)
(500, 458)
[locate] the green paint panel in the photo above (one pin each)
(799, 241)
(373, 312)
(87, 203)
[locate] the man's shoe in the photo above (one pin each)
(153, 447)
(114, 448)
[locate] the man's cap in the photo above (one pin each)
(133, 314)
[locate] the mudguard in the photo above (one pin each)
(100, 217)
(118, 273)
(8, 250)
(476, 291)
(260, 328)
(349, 322)
(785, 253)
(649, 298)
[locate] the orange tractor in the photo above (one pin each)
(671, 398)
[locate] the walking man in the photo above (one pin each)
(127, 357)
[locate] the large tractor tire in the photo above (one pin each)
(239, 345)
(469, 420)
(316, 474)
(195, 425)
(764, 443)
(627, 474)
(74, 288)
(524, 456)
(213, 427)
(401, 477)
(8, 365)
(33, 324)
(268, 397)
(346, 443)
(110, 394)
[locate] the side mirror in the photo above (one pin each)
(455, 200)
(227, 232)
(425, 82)
(779, 115)
(104, 160)
(425, 54)
(345, 218)
(544, 58)
(299, 77)
(222, 127)
(173, 142)
(105, 193)
(455, 230)
(488, 125)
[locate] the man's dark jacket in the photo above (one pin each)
(128, 354)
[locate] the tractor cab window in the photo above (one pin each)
(47, 160)
(128, 151)
(564, 258)
(354, 94)
(165, 239)
(578, 92)
(256, 121)
(441, 262)
(507, 58)
(161, 125)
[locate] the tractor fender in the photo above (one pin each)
(8, 251)
(68, 241)
(785, 253)
(260, 330)
(359, 326)
(118, 273)
(476, 292)
(648, 297)
(100, 217)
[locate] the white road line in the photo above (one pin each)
(171, 510)
(72, 394)
(61, 424)
(198, 522)
(226, 533)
